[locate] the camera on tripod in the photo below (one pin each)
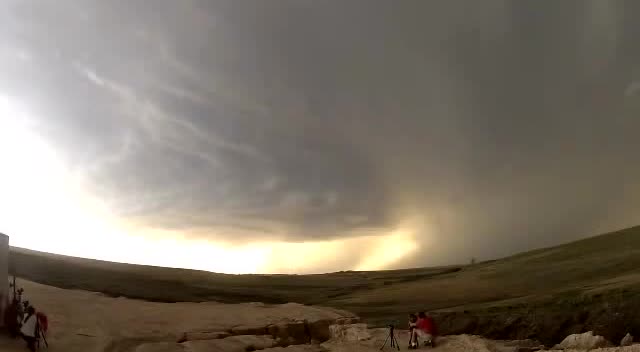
(393, 323)
(391, 337)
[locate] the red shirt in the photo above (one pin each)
(427, 325)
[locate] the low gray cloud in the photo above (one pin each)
(507, 125)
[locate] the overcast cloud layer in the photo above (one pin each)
(501, 125)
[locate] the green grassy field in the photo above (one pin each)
(601, 270)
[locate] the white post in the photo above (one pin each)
(4, 275)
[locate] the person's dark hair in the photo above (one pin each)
(412, 318)
(31, 310)
(422, 315)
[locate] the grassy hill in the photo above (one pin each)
(589, 284)
(592, 266)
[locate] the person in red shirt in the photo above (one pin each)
(426, 329)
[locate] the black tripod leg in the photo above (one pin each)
(44, 339)
(396, 341)
(385, 342)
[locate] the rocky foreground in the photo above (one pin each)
(87, 322)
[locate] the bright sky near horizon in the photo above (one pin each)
(45, 207)
(310, 136)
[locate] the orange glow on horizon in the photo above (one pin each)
(43, 208)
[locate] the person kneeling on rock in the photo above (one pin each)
(425, 329)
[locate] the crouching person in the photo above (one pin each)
(426, 329)
(28, 329)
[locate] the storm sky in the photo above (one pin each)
(434, 131)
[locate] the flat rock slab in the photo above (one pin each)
(298, 348)
(160, 347)
(633, 348)
(242, 343)
(586, 341)
(204, 335)
(103, 322)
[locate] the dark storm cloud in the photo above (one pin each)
(506, 124)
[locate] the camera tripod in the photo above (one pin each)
(41, 335)
(391, 337)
